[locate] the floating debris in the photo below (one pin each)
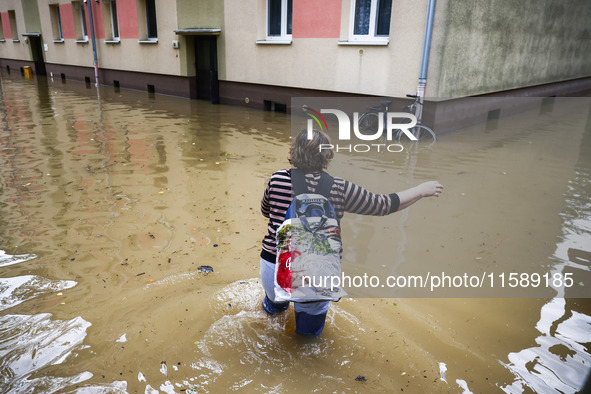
(205, 268)
(361, 378)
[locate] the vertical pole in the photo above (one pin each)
(95, 60)
(425, 57)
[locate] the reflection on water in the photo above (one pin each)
(109, 205)
(31, 343)
(561, 360)
(19, 289)
(6, 259)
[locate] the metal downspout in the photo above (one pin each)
(95, 60)
(425, 57)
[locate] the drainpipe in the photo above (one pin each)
(95, 60)
(425, 58)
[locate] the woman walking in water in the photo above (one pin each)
(345, 196)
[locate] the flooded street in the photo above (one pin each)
(110, 203)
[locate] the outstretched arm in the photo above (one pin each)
(414, 194)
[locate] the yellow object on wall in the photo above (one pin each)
(28, 72)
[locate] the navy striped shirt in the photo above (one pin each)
(344, 197)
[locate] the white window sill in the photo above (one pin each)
(60, 41)
(84, 41)
(375, 43)
(16, 40)
(274, 42)
(150, 41)
(112, 41)
(2, 40)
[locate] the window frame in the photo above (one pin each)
(83, 29)
(115, 34)
(283, 36)
(150, 21)
(111, 22)
(372, 36)
(79, 11)
(2, 36)
(13, 25)
(151, 35)
(56, 22)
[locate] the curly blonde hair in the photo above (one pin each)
(306, 154)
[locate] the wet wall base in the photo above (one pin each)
(443, 115)
(154, 83)
(11, 65)
(268, 97)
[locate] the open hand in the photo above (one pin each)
(431, 188)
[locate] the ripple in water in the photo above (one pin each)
(14, 291)
(30, 343)
(6, 259)
(244, 348)
(560, 362)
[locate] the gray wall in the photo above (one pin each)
(484, 46)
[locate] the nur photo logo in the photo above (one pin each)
(376, 129)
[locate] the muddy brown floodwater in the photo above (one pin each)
(110, 203)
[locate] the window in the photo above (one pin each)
(151, 19)
(111, 21)
(1, 31)
(279, 16)
(13, 29)
(83, 22)
(80, 21)
(370, 20)
(147, 11)
(56, 22)
(114, 20)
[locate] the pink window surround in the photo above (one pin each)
(6, 25)
(67, 18)
(126, 15)
(97, 20)
(316, 19)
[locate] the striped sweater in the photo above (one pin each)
(344, 197)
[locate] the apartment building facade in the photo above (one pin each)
(262, 52)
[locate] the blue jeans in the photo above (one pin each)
(310, 316)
